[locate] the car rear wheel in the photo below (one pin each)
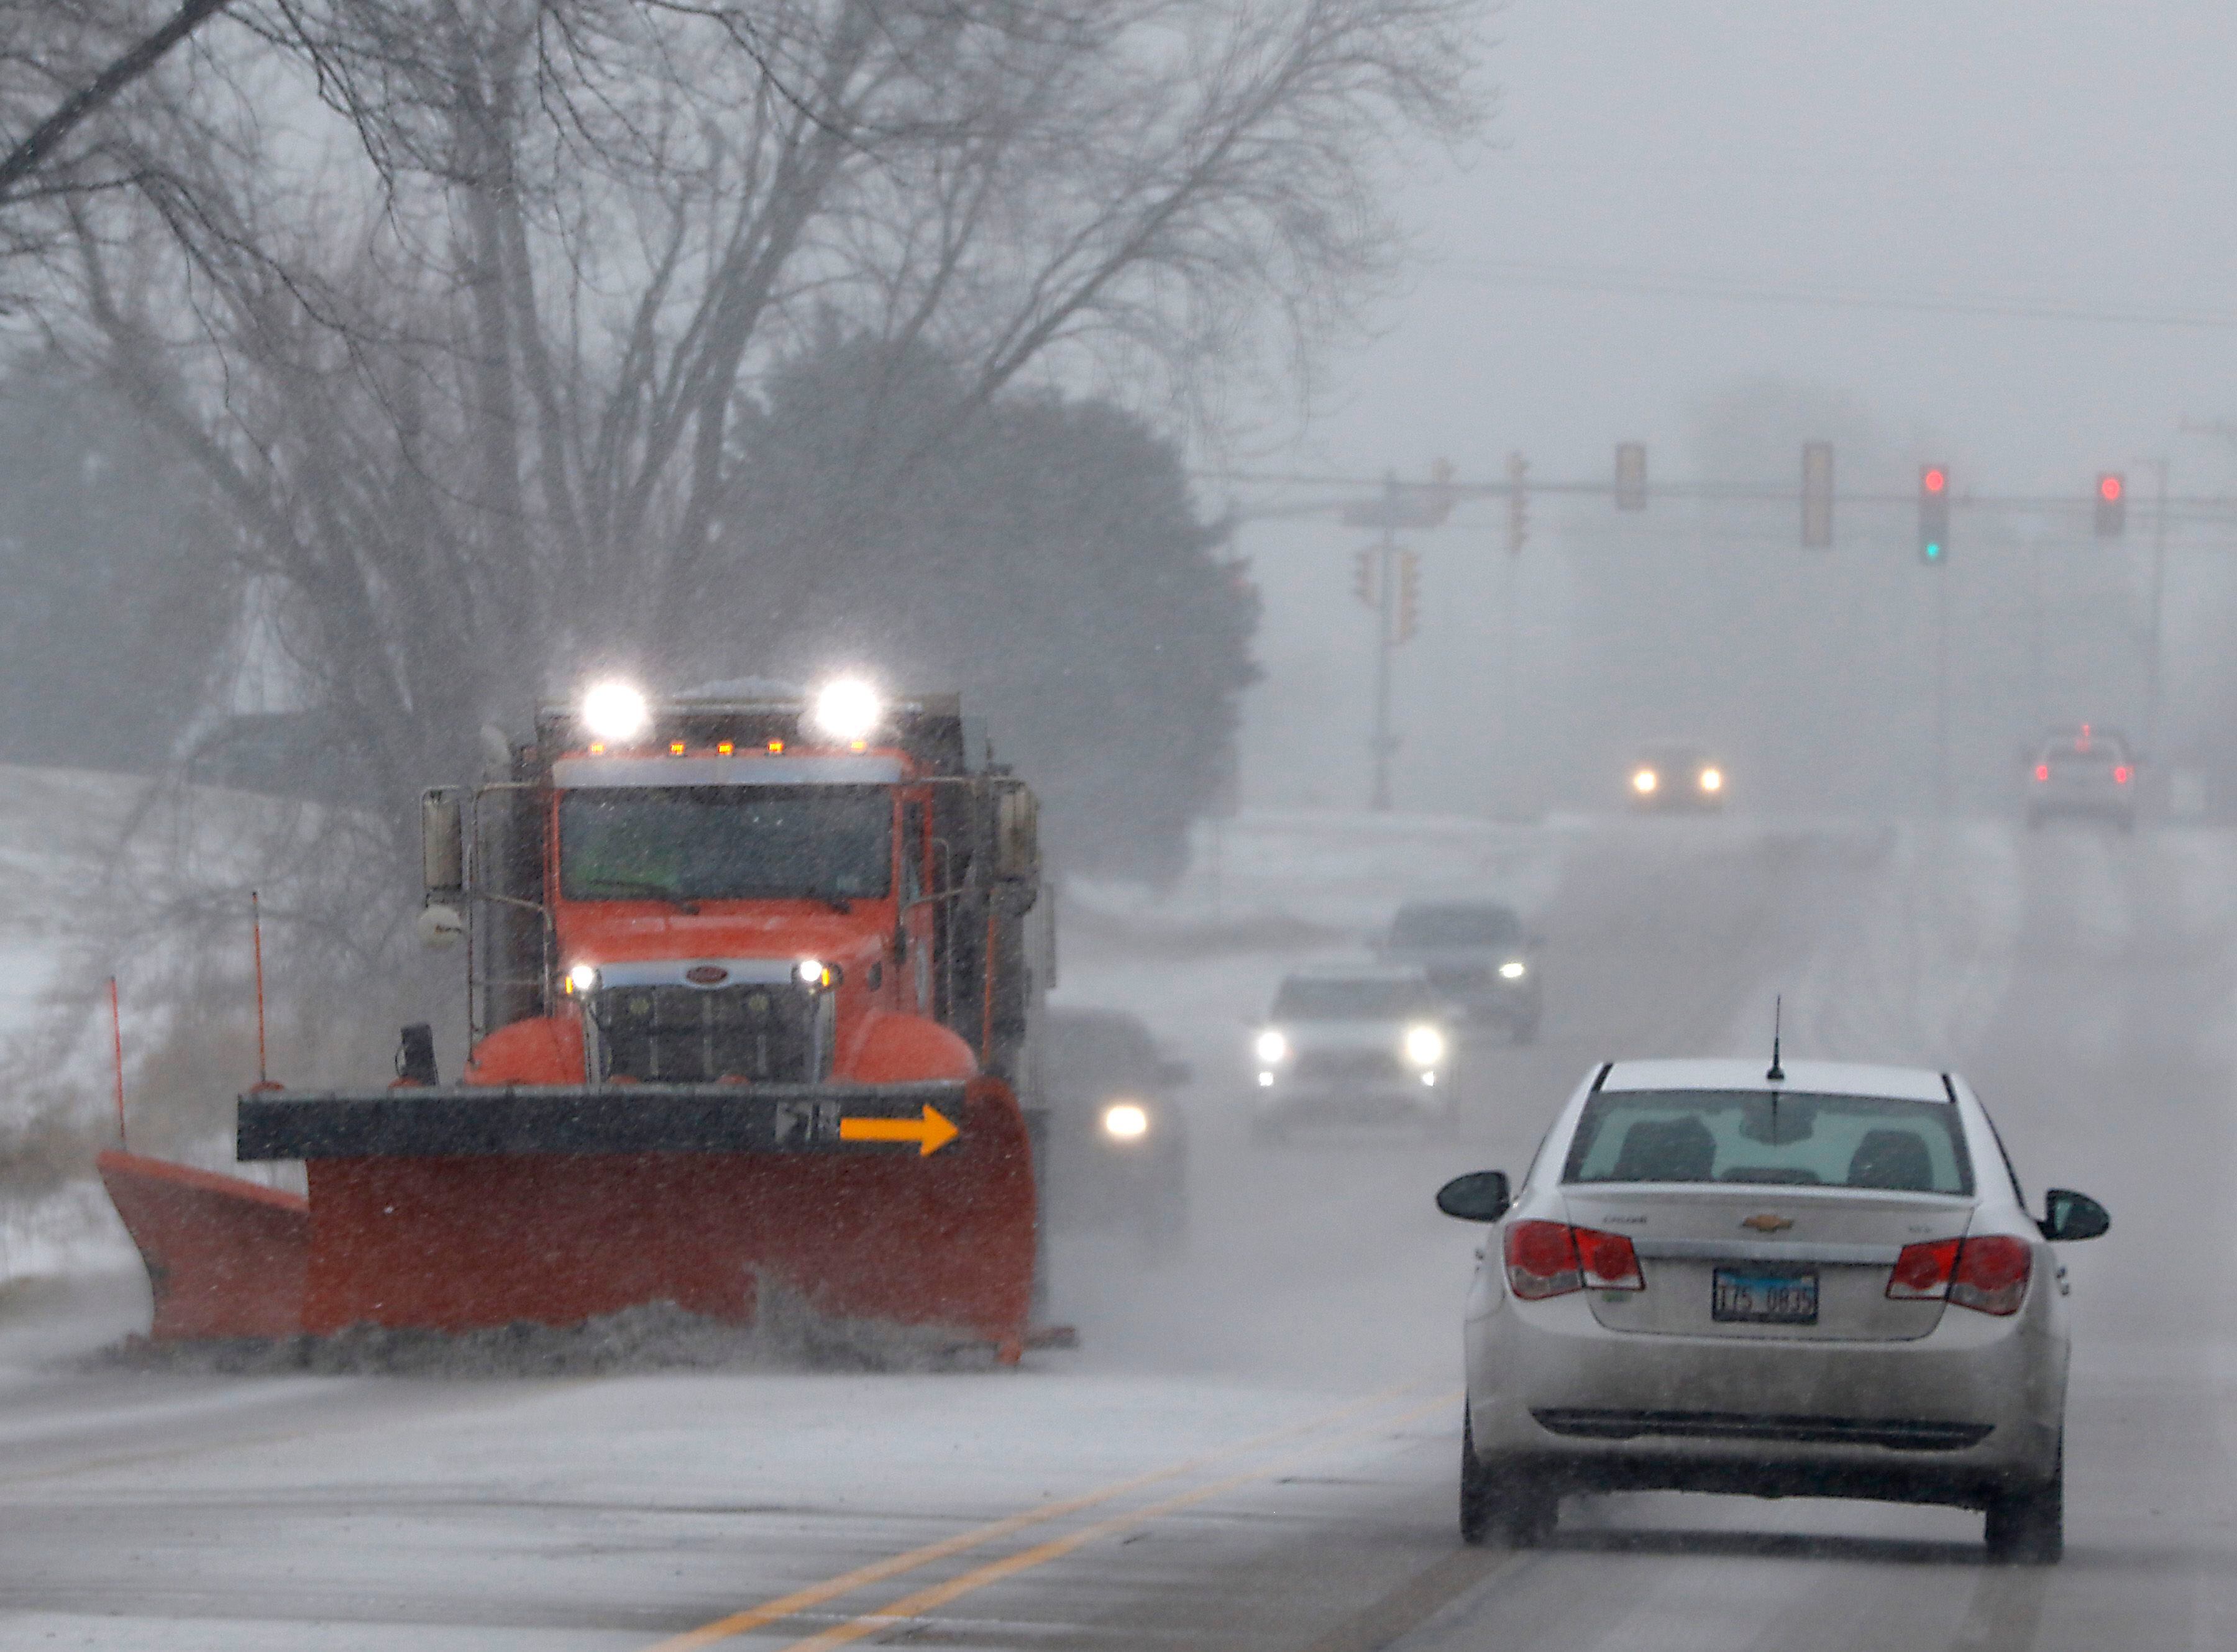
(2027, 1525)
(1502, 1505)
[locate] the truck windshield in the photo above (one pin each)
(1752, 1136)
(726, 843)
(1306, 998)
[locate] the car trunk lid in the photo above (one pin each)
(1766, 1261)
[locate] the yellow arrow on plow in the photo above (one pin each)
(931, 1133)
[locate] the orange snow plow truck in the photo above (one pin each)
(752, 985)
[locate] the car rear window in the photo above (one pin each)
(1790, 1139)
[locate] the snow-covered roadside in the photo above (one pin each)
(1910, 961)
(84, 859)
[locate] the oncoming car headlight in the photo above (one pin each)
(1644, 781)
(1125, 1121)
(1712, 779)
(1272, 1047)
(1514, 969)
(1425, 1046)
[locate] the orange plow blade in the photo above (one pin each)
(225, 1258)
(458, 1209)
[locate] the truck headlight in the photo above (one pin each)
(1425, 1046)
(1272, 1047)
(615, 711)
(1125, 1121)
(848, 709)
(583, 978)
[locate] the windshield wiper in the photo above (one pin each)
(650, 891)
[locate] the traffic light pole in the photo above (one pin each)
(2158, 617)
(1386, 625)
(1942, 695)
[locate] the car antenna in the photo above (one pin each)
(1777, 1074)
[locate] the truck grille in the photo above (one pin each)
(686, 1035)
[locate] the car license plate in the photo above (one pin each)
(1763, 1299)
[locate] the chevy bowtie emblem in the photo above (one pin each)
(1768, 1224)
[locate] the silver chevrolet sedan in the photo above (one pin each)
(1820, 1279)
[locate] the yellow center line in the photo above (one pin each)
(814, 1595)
(925, 1601)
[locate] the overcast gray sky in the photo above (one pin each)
(2064, 156)
(2051, 154)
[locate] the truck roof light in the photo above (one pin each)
(675, 748)
(848, 709)
(777, 748)
(614, 711)
(723, 747)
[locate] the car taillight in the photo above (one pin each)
(1992, 1274)
(1610, 1262)
(1552, 1258)
(1921, 1273)
(2043, 771)
(1988, 1274)
(2121, 774)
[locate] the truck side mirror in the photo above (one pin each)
(1017, 835)
(442, 844)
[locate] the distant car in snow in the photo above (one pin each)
(1355, 1043)
(1117, 1153)
(1674, 779)
(1477, 955)
(2083, 771)
(1820, 1282)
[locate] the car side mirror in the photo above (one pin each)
(2068, 1214)
(1481, 1196)
(1172, 1074)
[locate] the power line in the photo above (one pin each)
(1723, 290)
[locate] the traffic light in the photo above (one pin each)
(1518, 504)
(1631, 476)
(2112, 505)
(1362, 579)
(1409, 597)
(1933, 514)
(1817, 495)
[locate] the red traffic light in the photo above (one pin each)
(2108, 488)
(1933, 479)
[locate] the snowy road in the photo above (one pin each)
(1255, 1448)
